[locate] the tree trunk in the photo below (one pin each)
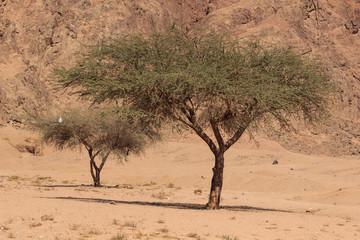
(97, 178)
(216, 182)
(95, 173)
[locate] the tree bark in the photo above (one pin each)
(97, 178)
(216, 182)
(94, 169)
(95, 173)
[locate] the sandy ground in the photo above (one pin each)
(303, 197)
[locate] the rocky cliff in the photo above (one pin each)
(38, 35)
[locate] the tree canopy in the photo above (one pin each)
(101, 135)
(206, 81)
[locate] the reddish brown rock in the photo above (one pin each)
(38, 35)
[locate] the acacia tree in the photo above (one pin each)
(100, 134)
(206, 81)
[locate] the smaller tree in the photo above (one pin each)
(100, 134)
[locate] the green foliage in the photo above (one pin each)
(203, 80)
(94, 130)
(100, 133)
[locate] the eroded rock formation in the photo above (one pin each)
(38, 35)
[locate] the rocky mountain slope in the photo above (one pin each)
(38, 35)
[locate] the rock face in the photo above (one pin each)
(38, 35)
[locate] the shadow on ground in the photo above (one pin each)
(169, 205)
(82, 185)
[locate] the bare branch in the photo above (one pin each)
(234, 138)
(201, 133)
(218, 136)
(103, 160)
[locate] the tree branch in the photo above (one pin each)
(227, 114)
(198, 130)
(218, 136)
(96, 154)
(234, 138)
(103, 160)
(92, 169)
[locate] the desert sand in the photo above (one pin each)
(161, 194)
(152, 196)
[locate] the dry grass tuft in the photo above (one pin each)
(11, 235)
(159, 195)
(149, 184)
(115, 222)
(75, 227)
(32, 225)
(163, 230)
(94, 232)
(192, 235)
(229, 238)
(82, 189)
(129, 224)
(139, 235)
(198, 191)
(14, 178)
(119, 236)
(45, 179)
(40, 180)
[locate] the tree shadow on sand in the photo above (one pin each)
(190, 206)
(80, 185)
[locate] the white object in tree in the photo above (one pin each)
(60, 120)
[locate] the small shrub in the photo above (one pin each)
(94, 232)
(149, 184)
(14, 178)
(139, 235)
(170, 185)
(115, 222)
(36, 182)
(32, 225)
(192, 235)
(164, 230)
(75, 227)
(229, 238)
(130, 224)
(44, 178)
(119, 236)
(82, 189)
(160, 195)
(11, 235)
(198, 191)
